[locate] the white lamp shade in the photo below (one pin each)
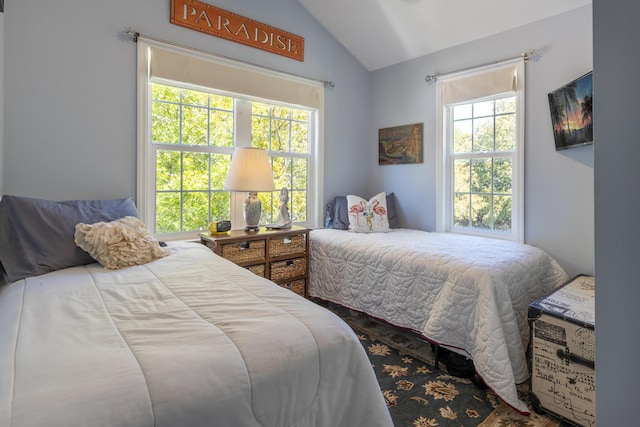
(250, 170)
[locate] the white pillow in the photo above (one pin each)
(120, 243)
(368, 216)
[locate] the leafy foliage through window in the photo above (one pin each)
(483, 146)
(193, 139)
(284, 132)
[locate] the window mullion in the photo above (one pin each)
(209, 174)
(242, 120)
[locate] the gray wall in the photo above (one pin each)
(71, 85)
(616, 112)
(558, 185)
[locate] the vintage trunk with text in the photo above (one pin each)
(562, 352)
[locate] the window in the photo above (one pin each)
(187, 135)
(284, 131)
(481, 162)
(189, 131)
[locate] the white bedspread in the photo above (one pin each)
(464, 292)
(187, 340)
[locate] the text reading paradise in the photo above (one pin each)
(221, 23)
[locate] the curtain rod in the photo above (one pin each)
(134, 35)
(531, 54)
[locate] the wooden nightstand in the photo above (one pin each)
(279, 255)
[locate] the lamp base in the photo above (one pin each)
(252, 210)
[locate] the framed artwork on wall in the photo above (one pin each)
(571, 113)
(400, 144)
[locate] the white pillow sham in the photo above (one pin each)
(368, 216)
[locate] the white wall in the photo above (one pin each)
(616, 112)
(70, 75)
(559, 185)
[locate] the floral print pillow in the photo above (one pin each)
(368, 216)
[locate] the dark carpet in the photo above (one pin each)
(420, 395)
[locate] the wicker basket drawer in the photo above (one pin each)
(297, 286)
(258, 270)
(288, 269)
(287, 245)
(252, 250)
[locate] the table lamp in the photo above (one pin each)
(250, 171)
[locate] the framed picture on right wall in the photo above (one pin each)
(400, 144)
(572, 113)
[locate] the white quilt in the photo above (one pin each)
(467, 293)
(186, 340)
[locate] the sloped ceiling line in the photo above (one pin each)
(381, 33)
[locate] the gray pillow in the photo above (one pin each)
(340, 212)
(394, 221)
(36, 236)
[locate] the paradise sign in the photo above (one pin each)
(221, 23)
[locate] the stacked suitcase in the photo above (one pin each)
(562, 352)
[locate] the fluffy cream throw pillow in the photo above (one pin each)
(120, 243)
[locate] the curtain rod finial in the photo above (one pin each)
(133, 35)
(532, 55)
(431, 78)
(329, 84)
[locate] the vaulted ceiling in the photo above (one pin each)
(380, 33)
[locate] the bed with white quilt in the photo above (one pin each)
(182, 338)
(466, 293)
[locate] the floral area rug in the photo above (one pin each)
(418, 394)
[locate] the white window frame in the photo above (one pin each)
(145, 196)
(444, 163)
